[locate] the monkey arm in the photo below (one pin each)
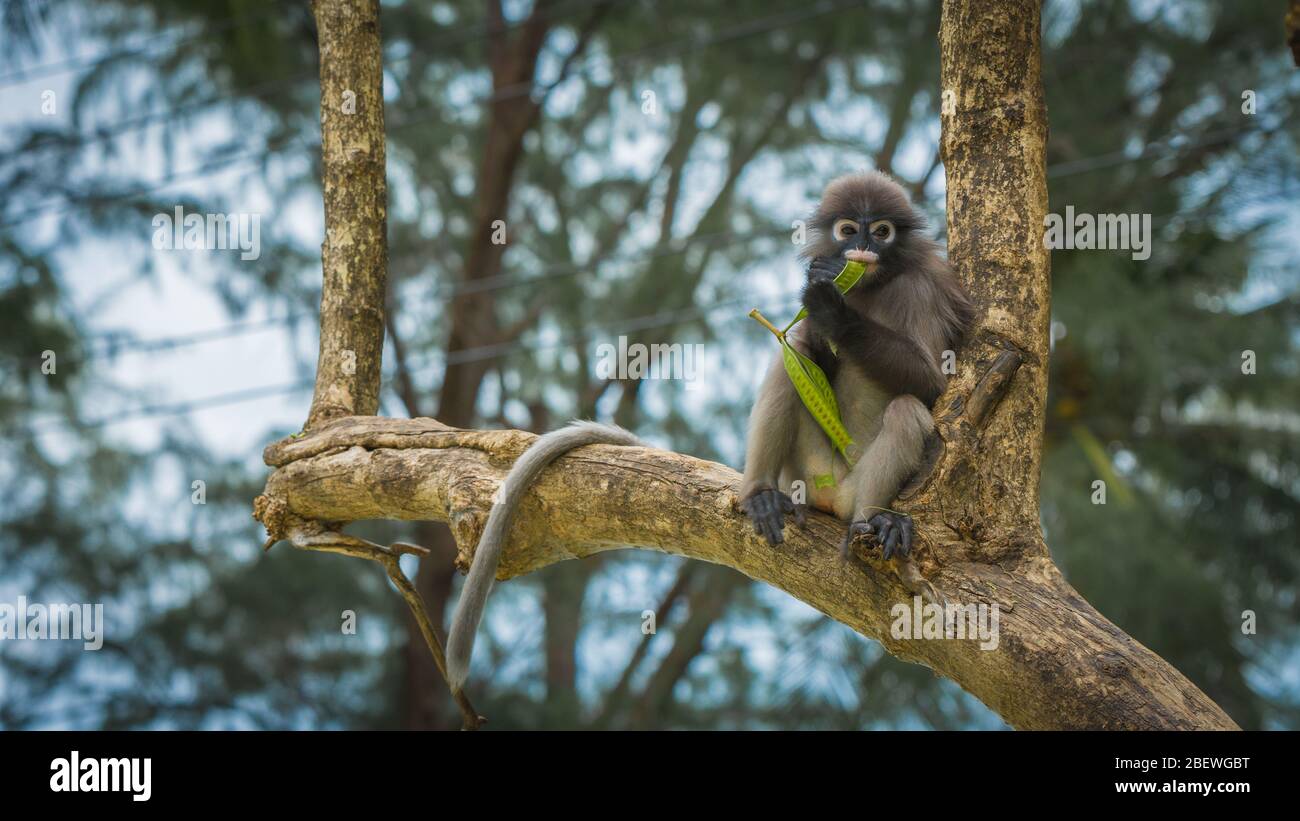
(898, 363)
(893, 360)
(769, 450)
(773, 425)
(772, 428)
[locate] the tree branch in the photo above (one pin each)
(1292, 23)
(354, 258)
(617, 696)
(306, 535)
(707, 605)
(1059, 663)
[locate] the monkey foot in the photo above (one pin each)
(893, 532)
(767, 509)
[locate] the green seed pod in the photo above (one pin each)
(810, 381)
(818, 396)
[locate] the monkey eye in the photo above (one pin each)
(882, 230)
(844, 228)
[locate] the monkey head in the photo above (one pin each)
(866, 217)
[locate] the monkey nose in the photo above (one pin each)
(861, 255)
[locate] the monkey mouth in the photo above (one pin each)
(863, 256)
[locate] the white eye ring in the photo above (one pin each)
(884, 236)
(844, 228)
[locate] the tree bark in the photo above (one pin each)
(354, 254)
(354, 262)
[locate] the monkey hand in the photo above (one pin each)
(767, 509)
(826, 268)
(830, 315)
(893, 532)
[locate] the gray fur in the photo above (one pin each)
(483, 570)
(893, 455)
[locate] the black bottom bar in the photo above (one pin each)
(192, 770)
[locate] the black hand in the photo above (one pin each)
(894, 532)
(767, 510)
(829, 314)
(825, 268)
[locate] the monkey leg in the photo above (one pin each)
(879, 473)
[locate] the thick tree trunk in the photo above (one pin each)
(1057, 663)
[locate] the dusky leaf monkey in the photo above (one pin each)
(889, 333)
(881, 346)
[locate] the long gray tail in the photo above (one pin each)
(483, 570)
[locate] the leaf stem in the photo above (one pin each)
(758, 317)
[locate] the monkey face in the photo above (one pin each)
(862, 238)
(865, 217)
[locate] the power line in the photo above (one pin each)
(210, 29)
(672, 247)
(476, 31)
(487, 352)
(505, 93)
(1082, 165)
(1062, 169)
(71, 202)
(555, 270)
(480, 353)
(114, 344)
(744, 30)
(474, 354)
(642, 323)
(176, 408)
(1168, 146)
(549, 272)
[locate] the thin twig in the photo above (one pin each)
(313, 536)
